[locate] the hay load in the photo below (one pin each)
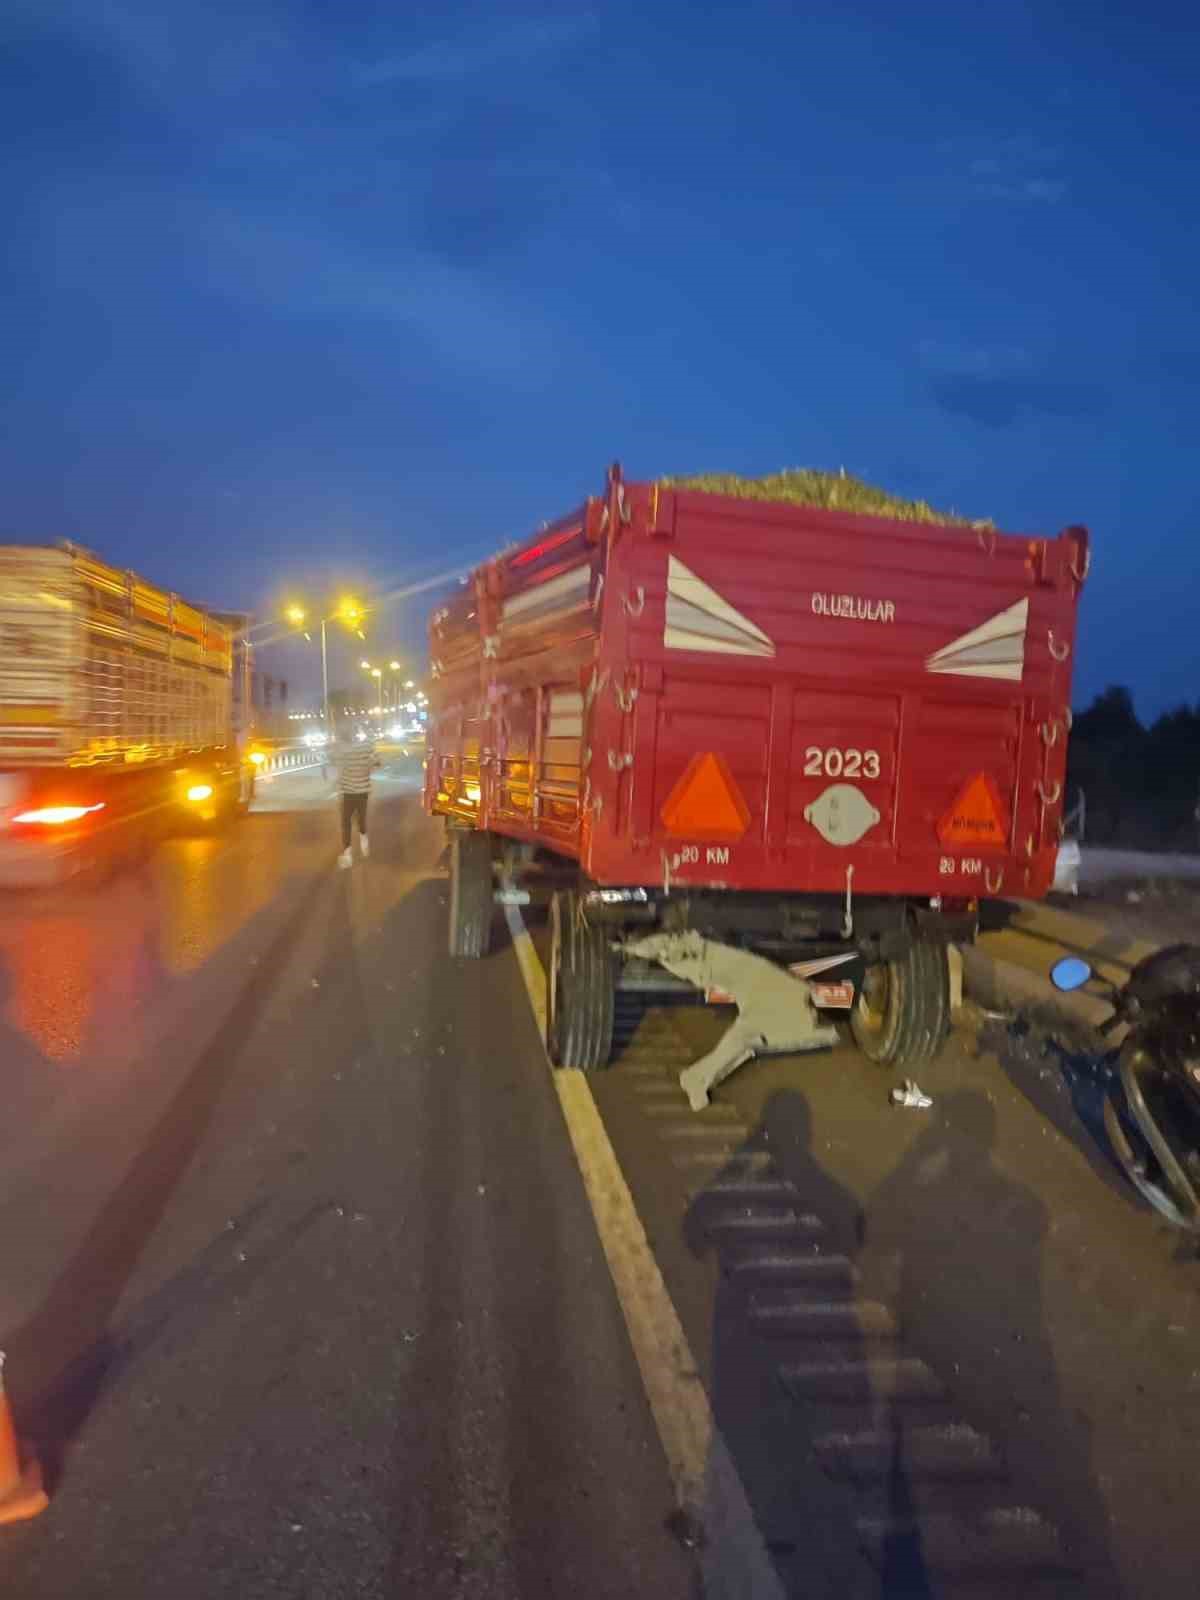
(832, 491)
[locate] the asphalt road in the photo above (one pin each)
(303, 1295)
(301, 1292)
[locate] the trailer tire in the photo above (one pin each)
(471, 894)
(902, 1015)
(581, 989)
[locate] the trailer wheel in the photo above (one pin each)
(581, 989)
(902, 1016)
(471, 894)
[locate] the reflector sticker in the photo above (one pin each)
(996, 649)
(706, 802)
(699, 619)
(976, 817)
(833, 996)
(563, 593)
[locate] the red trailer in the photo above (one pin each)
(814, 736)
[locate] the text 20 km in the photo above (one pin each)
(835, 763)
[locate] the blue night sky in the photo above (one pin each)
(300, 294)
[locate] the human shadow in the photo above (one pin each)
(779, 1389)
(962, 1243)
(930, 1399)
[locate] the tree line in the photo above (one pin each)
(1141, 784)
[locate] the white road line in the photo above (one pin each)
(703, 1473)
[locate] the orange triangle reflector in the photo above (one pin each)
(976, 817)
(706, 803)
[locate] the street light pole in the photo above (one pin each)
(324, 680)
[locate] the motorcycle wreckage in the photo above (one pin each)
(1152, 1110)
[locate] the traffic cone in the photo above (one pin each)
(21, 1492)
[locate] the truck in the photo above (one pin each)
(775, 753)
(117, 716)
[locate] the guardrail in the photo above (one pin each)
(287, 761)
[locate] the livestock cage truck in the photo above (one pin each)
(117, 715)
(771, 752)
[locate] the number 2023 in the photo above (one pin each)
(840, 763)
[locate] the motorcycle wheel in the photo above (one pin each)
(1142, 1166)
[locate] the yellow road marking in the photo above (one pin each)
(703, 1475)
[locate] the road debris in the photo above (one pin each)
(686, 1528)
(911, 1096)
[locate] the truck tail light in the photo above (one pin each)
(200, 791)
(56, 816)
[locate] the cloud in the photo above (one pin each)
(317, 195)
(974, 361)
(471, 53)
(1049, 189)
(997, 401)
(460, 319)
(1019, 167)
(998, 385)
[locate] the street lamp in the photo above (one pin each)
(350, 614)
(395, 666)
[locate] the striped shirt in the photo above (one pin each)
(354, 763)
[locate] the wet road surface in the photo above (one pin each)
(302, 1294)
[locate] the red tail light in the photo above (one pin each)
(56, 816)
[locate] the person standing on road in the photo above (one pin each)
(353, 761)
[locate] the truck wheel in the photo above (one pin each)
(471, 894)
(903, 1012)
(581, 989)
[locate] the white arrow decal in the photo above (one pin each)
(996, 649)
(699, 619)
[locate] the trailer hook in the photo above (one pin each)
(1055, 651)
(634, 608)
(987, 540)
(491, 646)
(625, 698)
(1081, 577)
(618, 760)
(1050, 732)
(848, 920)
(993, 888)
(1047, 799)
(623, 510)
(598, 593)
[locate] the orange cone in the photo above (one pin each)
(21, 1492)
